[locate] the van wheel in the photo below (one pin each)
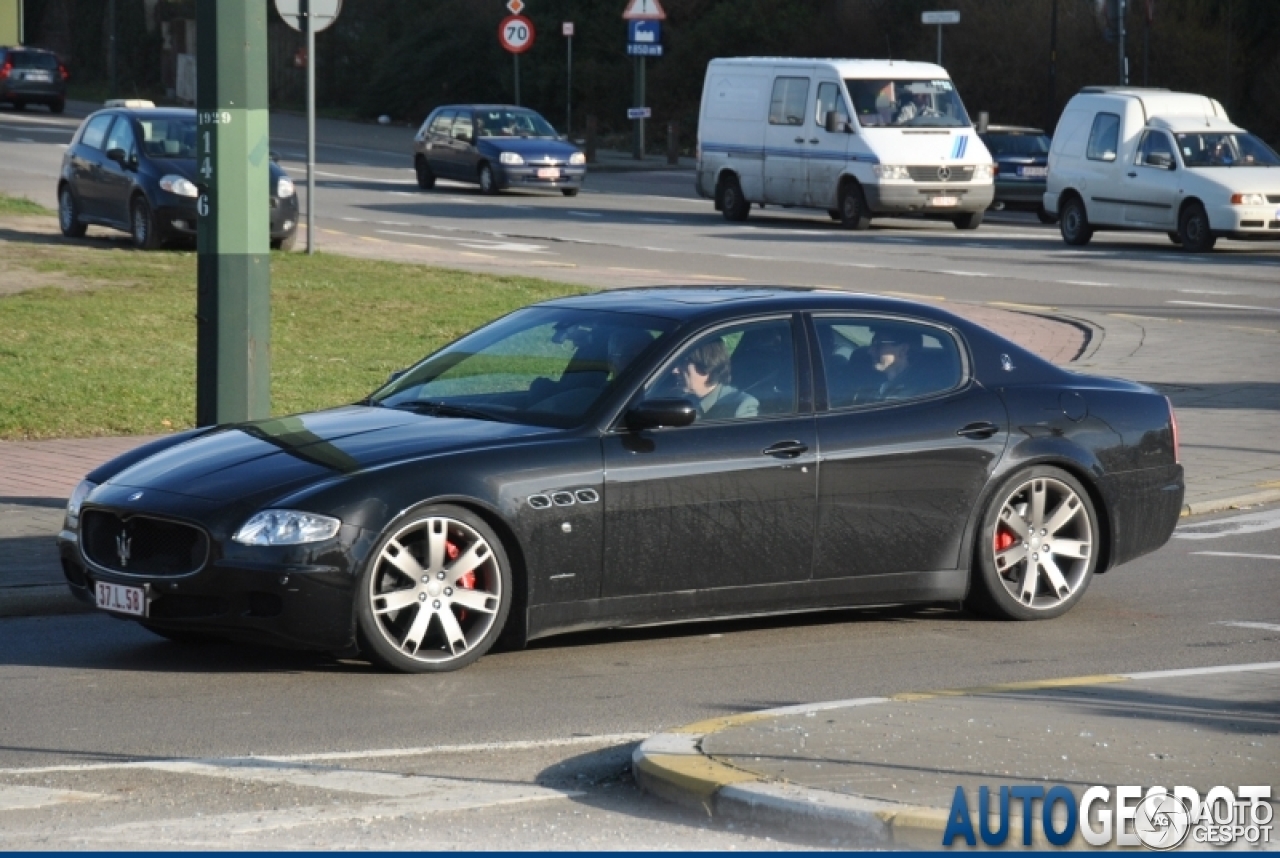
(1073, 223)
(969, 220)
(1193, 229)
(732, 203)
(854, 213)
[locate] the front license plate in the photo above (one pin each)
(548, 172)
(121, 600)
(944, 201)
(1033, 171)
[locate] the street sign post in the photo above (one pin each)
(639, 113)
(644, 39)
(515, 34)
(233, 230)
(566, 30)
(310, 17)
(940, 18)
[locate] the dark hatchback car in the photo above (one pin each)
(496, 147)
(133, 167)
(637, 457)
(1022, 167)
(32, 76)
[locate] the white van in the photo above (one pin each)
(858, 138)
(1150, 159)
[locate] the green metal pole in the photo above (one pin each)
(233, 296)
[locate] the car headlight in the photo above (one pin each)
(510, 158)
(284, 187)
(180, 186)
(1248, 199)
(577, 159)
(890, 171)
(77, 498)
(286, 527)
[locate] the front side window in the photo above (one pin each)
(869, 360)
(1104, 137)
(121, 137)
(738, 372)
(95, 131)
(462, 129)
(829, 99)
(786, 107)
(907, 103)
(506, 122)
(540, 365)
(1156, 150)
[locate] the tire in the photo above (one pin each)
(488, 181)
(834, 214)
(411, 614)
(69, 214)
(142, 225)
(1045, 215)
(1174, 237)
(426, 178)
(1193, 229)
(1038, 547)
(569, 192)
(854, 213)
(57, 106)
(733, 204)
(286, 244)
(968, 220)
(1073, 223)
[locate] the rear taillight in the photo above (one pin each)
(5, 69)
(62, 70)
(1173, 424)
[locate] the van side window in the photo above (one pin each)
(789, 97)
(829, 99)
(1104, 139)
(1156, 150)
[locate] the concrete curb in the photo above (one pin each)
(673, 766)
(1224, 504)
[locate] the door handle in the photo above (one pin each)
(785, 449)
(799, 139)
(978, 431)
(1132, 175)
(813, 139)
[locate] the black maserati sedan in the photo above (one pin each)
(640, 457)
(133, 167)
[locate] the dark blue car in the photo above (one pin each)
(133, 167)
(496, 147)
(1022, 166)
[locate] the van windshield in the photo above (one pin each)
(907, 103)
(1225, 150)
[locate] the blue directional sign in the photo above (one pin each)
(644, 32)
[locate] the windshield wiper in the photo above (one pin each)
(436, 408)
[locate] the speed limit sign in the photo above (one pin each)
(515, 33)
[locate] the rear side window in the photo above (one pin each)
(786, 107)
(1104, 138)
(95, 131)
(869, 360)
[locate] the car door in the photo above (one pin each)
(1101, 170)
(1151, 185)
(463, 153)
(900, 470)
(786, 138)
(729, 500)
(829, 150)
(86, 166)
(438, 151)
(116, 183)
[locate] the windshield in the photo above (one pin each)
(501, 122)
(1016, 145)
(169, 137)
(907, 103)
(540, 365)
(1225, 150)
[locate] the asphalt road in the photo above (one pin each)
(530, 749)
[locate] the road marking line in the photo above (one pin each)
(1238, 554)
(1204, 671)
(1083, 283)
(1255, 522)
(1266, 627)
(476, 255)
(584, 214)
(31, 798)
(360, 178)
(634, 270)
(966, 273)
(1225, 306)
(659, 220)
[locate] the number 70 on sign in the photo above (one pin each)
(515, 34)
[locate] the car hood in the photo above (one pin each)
(531, 147)
(1259, 180)
(896, 145)
(287, 453)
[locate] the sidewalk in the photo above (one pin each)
(883, 772)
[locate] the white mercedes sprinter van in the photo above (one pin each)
(1150, 159)
(859, 138)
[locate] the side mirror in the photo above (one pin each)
(1161, 159)
(116, 155)
(656, 413)
(274, 156)
(834, 123)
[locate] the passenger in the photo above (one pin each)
(892, 352)
(704, 373)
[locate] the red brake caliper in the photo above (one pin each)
(1005, 539)
(467, 582)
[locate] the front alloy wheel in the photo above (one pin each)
(1039, 547)
(143, 225)
(488, 181)
(436, 593)
(69, 215)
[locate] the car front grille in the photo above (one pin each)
(141, 545)
(940, 174)
(1273, 198)
(545, 162)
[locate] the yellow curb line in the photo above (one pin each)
(1034, 685)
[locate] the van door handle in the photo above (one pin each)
(785, 449)
(813, 139)
(978, 431)
(1132, 175)
(799, 139)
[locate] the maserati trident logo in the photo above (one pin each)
(944, 174)
(124, 546)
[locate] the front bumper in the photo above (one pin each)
(1019, 191)
(1246, 223)
(919, 197)
(528, 176)
(177, 215)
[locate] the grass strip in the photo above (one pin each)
(20, 206)
(110, 349)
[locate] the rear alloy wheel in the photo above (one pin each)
(733, 204)
(436, 592)
(488, 181)
(854, 213)
(142, 225)
(1073, 223)
(1038, 548)
(69, 214)
(1193, 229)
(426, 178)
(968, 220)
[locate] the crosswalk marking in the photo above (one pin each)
(31, 798)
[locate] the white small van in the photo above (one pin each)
(1150, 159)
(858, 138)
